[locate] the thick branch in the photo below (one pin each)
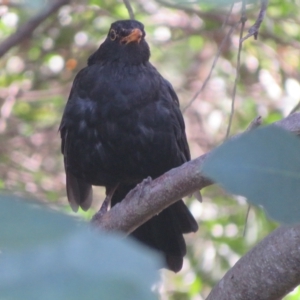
(268, 271)
(152, 196)
(27, 29)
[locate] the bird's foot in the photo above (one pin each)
(104, 207)
(198, 196)
(141, 187)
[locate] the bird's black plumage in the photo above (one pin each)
(121, 124)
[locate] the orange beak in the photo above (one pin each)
(135, 36)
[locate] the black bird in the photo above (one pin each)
(121, 124)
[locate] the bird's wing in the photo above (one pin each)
(179, 126)
(180, 134)
(79, 192)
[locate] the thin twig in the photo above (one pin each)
(242, 21)
(246, 220)
(212, 67)
(27, 29)
(254, 124)
(228, 15)
(129, 9)
(228, 19)
(254, 29)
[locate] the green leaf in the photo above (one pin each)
(68, 259)
(264, 166)
(27, 223)
(84, 265)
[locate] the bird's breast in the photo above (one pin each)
(125, 125)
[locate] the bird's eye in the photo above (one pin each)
(112, 35)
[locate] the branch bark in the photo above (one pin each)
(27, 29)
(269, 271)
(150, 197)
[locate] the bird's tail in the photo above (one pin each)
(164, 232)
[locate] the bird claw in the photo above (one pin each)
(140, 187)
(104, 207)
(198, 196)
(143, 184)
(102, 211)
(146, 181)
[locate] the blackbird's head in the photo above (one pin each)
(125, 43)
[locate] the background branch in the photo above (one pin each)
(253, 30)
(224, 41)
(238, 65)
(25, 30)
(129, 9)
(268, 271)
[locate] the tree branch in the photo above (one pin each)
(227, 36)
(254, 29)
(152, 196)
(129, 9)
(268, 271)
(25, 30)
(238, 66)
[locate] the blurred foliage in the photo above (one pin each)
(52, 256)
(262, 165)
(184, 36)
